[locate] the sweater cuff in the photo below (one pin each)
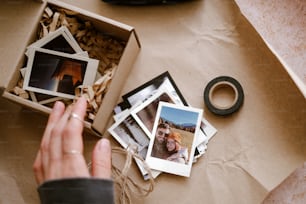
(77, 191)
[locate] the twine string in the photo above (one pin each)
(124, 182)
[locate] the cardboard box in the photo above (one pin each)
(104, 25)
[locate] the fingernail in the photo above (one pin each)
(57, 105)
(104, 144)
(82, 98)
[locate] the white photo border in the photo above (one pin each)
(117, 137)
(64, 31)
(145, 104)
(151, 86)
(89, 77)
(169, 166)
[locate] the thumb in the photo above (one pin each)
(101, 160)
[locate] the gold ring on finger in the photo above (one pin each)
(76, 116)
(72, 152)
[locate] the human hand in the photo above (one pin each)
(61, 151)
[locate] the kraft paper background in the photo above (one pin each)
(254, 150)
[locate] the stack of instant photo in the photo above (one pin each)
(156, 120)
(56, 66)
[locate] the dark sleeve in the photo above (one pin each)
(77, 191)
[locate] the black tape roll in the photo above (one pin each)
(215, 84)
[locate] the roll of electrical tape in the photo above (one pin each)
(223, 82)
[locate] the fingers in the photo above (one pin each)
(38, 170)
(55, 143)
(101, 160)
(42, 159)
(55, 147)
(72, 134)
(60, 154)
(74, 164)
(55, 115)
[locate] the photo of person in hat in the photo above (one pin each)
(178, 152)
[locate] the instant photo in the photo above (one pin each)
(145, 113)
(145, 93)
(146, 90)
(163, 81)
(208, 130)
(58, 74)
(177, 144)
(129, 134)
(60, 40)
